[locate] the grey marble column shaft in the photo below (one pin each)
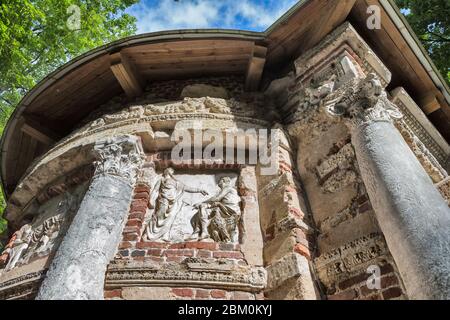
(78, 268)
(412, 214)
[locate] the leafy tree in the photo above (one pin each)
(430, 20)
(37, 36)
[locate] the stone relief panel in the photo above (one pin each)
(193, 207)
(43, 234)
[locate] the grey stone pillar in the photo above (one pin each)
(78, 268)
(412, 214)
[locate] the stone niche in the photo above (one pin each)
(29, 251)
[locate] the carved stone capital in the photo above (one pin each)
(120, 156)
(361, 101)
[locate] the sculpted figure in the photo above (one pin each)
(166, 200)
(218, 216)
(18, 246)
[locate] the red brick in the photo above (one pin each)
(304, 251)
(134, 223)
(141, 195)
(387, 268)
(116, 293)
(137, 215)
(353, 280)
(204, 254)
(149, 245)
(134, 229)
(228, 254)
(202, 245)
(392, 293)
(155, 252)
(183, 292)
(180, 245)
(202, 294)
(346, 295)
(141, 188)
(138, 208)
(179, 252)
(125, 245)
(218, 294)
(389, 281)
(130, 237)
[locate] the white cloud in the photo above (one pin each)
(192, 14)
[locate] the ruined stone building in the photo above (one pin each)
(356, 208)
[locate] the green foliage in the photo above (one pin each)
(38, 36)
(430, 20)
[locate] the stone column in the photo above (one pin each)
(78, 268)
(412, 214)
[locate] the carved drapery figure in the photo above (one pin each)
(38, 238)
(218, 217)
(19, 246)
(166, 201)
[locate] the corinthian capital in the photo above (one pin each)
(361, 101)
(120, 156)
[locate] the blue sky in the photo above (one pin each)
(254, 15)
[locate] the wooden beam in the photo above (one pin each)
(255, 68)
(429, 104)
(35, 130)
(127, 75)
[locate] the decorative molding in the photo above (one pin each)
(193, 272)
(23, 287)
(421, 126)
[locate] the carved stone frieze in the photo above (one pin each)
(120, 156)
(205, 105)
(351, 257)
(193, 272)
(23, 287)
(425, 157)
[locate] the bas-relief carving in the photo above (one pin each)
(350, 258)
(39, 237)
(181, 208)
(206, 105)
